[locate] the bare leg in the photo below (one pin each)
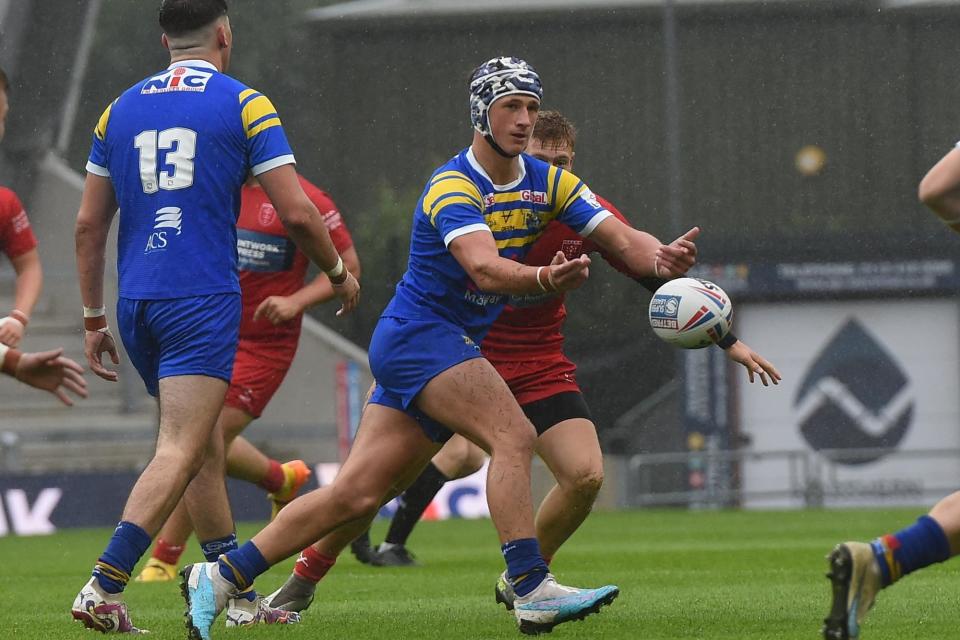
(206, 495)
(459, 458)
(332, 544)
(947, 514)
(388, 443)
(572, 451)
(188, 410)
(244, 461)
(474, 401)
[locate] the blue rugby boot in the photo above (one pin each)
(551, 604)
(206, 593)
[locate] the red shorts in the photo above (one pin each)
(535, 380)
(258, 370)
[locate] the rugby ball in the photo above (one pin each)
(690, 313)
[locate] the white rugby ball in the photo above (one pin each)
(690, 313)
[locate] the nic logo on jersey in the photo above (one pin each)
(177, 79)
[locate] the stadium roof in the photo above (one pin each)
(413, 8)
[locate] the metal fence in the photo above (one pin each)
(809, 479)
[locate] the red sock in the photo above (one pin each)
(313, 565)
(273, 481)
(166, 552)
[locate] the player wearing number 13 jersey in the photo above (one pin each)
(177, 147)
(172, 153)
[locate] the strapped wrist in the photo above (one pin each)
(95, 323)
(539, 281)
(9, 359)
(20, 317)
(728, 340)
(337, 269)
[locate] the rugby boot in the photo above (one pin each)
(551, 604)
(855, 578)
(101, 611)
(295, 475)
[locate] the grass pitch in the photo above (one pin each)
(711, 575)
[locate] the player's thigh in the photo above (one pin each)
(571, 450)
(389, 446)
(473, 400)
(189, 406)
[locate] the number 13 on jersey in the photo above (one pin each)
(180, 145)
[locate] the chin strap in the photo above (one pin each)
(493, 143)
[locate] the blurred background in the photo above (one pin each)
(794, 132)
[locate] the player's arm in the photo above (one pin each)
(29, 280)
(642, 253)
(940, 189)
(47, 370)
(305, 227)
(97, 208)
(28, 284)
(280, 309)
(477, 254)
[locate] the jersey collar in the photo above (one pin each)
(472, 159)
(203, 64)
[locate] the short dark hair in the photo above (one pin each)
(553, 127)
(4, 83)
(178, 17)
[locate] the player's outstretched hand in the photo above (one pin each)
(675, 259)
(277, 309)
(11, 331)
(755, 363)
(349, 293)
(95, 343)
(564, 275)
(53, 372)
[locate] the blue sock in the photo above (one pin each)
(242, 566)
(526, 568)
(919, 545)
(213, 548)
(126, 547)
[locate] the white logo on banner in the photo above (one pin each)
(27, 520)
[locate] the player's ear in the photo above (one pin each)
(164, 41)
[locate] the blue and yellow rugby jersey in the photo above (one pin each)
(461, 199)
(177, 147)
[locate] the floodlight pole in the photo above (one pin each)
(671, 105)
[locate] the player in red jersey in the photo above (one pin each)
(20, 245)
(272, 276)
(525, 345)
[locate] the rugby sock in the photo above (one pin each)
(126, 547)
(313, 565)
(273, 481)
(242, 566)
(413, 502)
(919, 545)
(525, 566)
(213, 549)
(166, 552)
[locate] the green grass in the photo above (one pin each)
(682, 575)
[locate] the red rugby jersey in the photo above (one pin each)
(270, 263)
(530, 325)
(16, 235)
